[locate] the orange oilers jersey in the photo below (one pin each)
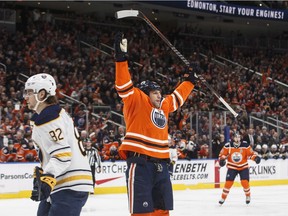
(146, 126)
(237, 158)
(7, 155)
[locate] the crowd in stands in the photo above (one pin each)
(87, 75)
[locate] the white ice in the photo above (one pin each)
(265, 201)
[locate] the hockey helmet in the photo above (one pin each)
(258, 148)
(264, 149)
(147, 86)
(274, 148)
(41, 81)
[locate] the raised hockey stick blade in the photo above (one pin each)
(126, 13)
(135, 13)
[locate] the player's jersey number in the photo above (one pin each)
(56, 135)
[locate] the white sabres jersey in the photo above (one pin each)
(60, 150)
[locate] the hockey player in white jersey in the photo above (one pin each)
(64, 181)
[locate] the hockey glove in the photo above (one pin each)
(120, 46)
(43, 184)
(192, 72)
(222, 162)
(257, 159)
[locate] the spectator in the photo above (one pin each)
(192, 149)
(120, 135)
(265, 136)
(250, 137)
(30, 153)
(3, 139)
(83, 135)
(217, 145)
(8, 154)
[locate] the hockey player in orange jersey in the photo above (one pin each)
(145, 146)
(237, 152)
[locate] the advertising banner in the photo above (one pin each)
(17, 178)
(228, 9)
(267, 170)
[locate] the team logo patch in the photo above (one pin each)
(236, 157)
(158, 118)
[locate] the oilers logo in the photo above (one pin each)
(236, 157)
(158, 118)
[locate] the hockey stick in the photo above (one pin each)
(135, 13)
(38, 175)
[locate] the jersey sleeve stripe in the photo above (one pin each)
(179, 97)
(125, 90)
(176, 100)
(129, 83)
(126, 95)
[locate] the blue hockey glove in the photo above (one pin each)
(192, 72)
(120, 46)
(257, 159)
(43, 184)
(222, 162)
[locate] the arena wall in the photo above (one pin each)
(16, 178)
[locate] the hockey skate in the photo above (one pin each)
(248, 199)
(221, 201)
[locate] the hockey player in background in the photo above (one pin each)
(145, 146)
(64, 181)
(237, 152)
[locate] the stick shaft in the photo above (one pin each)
(38, 175)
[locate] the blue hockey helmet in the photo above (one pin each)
(147, 86)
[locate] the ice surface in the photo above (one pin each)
(265, 201)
